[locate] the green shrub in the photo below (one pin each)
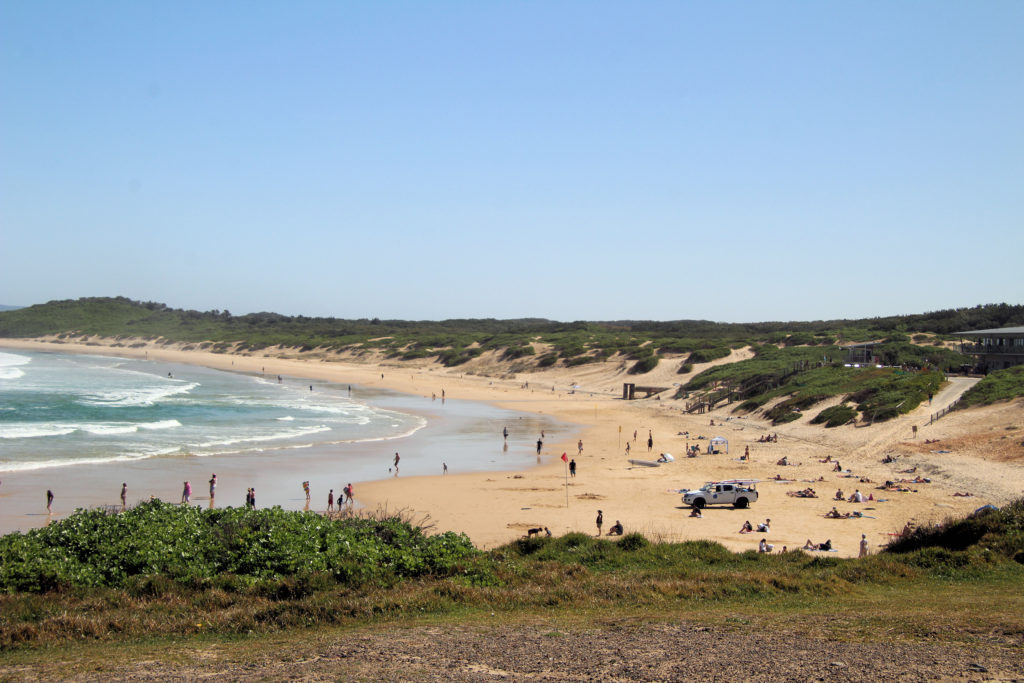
(685, 368)
(644, 365)
(836, 415)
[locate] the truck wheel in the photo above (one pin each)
(699, 503)
(741, 503)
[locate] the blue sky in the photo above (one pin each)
(569, 160)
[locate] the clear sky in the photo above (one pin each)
(733, 161)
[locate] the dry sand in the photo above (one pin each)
(985, 458)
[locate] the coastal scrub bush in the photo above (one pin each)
(644, 365)
(835, 416)
(685, 368)
(194, 546)
(708, 355)
(998, 386)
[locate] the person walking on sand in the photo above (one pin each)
(349, 493)
(579, 447)
(504, 433)
(572, 468)
(444, 468)
(186, 493)
(397, 458)
(627, 449)
(539, 444)
(124, 494)
(49, 500)
(330, 501)
(650, 441)
(600, 521)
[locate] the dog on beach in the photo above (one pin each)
(536, 531)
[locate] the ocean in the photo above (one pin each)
(59, 409)
(136, 417)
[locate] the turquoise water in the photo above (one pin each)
(61, 409)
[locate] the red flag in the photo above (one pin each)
(564, 459)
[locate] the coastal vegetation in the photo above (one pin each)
(163, 570)
(794, 367)
(1001, 385)
(457, 341)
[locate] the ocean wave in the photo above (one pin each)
(25, 466)
(11, 373)
(277, 436)
(135, 397)
(30, 430)
(10, 365)
(286, 418)
(12, 359)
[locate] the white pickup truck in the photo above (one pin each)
(736, 492)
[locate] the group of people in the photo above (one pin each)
(764, 527)
(768, 438)
(615, 530)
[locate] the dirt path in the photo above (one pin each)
(617, 652)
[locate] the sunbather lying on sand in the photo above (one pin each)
(805, 493)
(827, 545)
(965, 494)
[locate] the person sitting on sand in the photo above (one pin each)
(783, 461)
(766, 527)
(857, 497)
(834, 514)
(616, 529)
(839, 495)
(746, 528)
(778, 477)
(695, 512)
(828, 458)
(838, 467)
(764, 546)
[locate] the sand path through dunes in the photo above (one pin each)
(886, 434)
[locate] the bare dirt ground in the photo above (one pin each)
(616, 652)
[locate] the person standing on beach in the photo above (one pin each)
(863, 546)
(634, 436)
(124, 494)
(397, 458)
(213, 486)
(49, 500)
(252, 498)
(572, 468)
(600, 521)
(444, 468)
(186, 493)
(330, 501)
(579, 447)
(539, 444)
(504, 433)
(305, 487)
(650, 441)
(349, 492)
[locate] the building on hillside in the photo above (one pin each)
(995, 349)
(862, 354)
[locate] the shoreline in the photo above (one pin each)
(495, 507)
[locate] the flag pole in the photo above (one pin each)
(566, 461)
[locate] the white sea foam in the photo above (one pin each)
(136, 397)
(10, 365)
(290, 434)
(32, 430)
(286, 418)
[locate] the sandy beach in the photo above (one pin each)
(978, 452)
